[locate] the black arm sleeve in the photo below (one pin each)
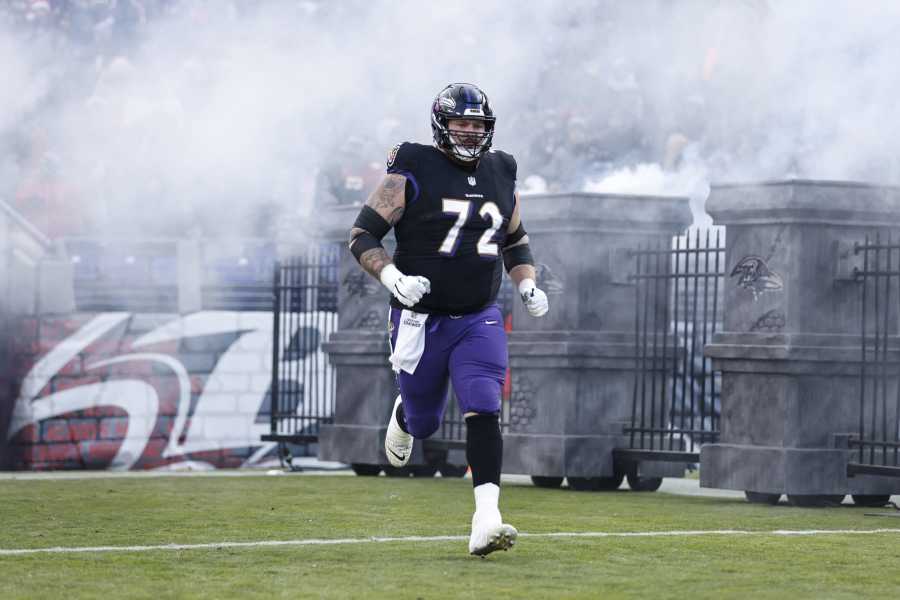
(373, 227)
(515, 236)
(369, 220)
(520, 255)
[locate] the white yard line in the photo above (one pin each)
(314, 468)
(440, 538)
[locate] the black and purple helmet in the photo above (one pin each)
(462, 101)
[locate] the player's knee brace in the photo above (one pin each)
(422, 427)
(484, 448)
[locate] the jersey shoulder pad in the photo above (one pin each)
(404, 157)
(507, 162)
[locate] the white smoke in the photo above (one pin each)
(232, 106)
(691, 181)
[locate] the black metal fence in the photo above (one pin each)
(301, 396)
(876, 445)
(675, 396)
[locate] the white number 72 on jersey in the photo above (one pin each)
(462, 208)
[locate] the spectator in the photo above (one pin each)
(349, 176)
(43, 197)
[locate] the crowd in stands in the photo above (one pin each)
(587, 110)
(97, 40)
(560, 145)
(89, 22)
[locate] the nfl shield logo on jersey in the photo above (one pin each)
(471, 181)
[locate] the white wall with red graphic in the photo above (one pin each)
(122, 390)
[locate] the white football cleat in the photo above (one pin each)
(490, 533)
(397, 443)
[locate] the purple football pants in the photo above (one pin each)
(470, 351)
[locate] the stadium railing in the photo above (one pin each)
(24, 252)
(171, 275)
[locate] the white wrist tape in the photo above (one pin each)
(525, 285)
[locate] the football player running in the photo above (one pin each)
(457, 220)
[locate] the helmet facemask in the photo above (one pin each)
(465, 146)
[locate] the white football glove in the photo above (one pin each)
(408, 289)
(535, 300)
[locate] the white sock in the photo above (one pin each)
(487, 497)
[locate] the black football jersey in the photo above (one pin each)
(454, 225)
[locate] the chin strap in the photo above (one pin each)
(460, 152)
(466, 158)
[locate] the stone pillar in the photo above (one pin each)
(789, 348)
(359, 350)
(572, 369)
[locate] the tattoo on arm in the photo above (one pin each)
(374, 260)
(389, 198)
(520, 272)
(389, 201)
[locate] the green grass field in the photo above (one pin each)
(195, 510)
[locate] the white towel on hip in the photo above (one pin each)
(410, 344)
